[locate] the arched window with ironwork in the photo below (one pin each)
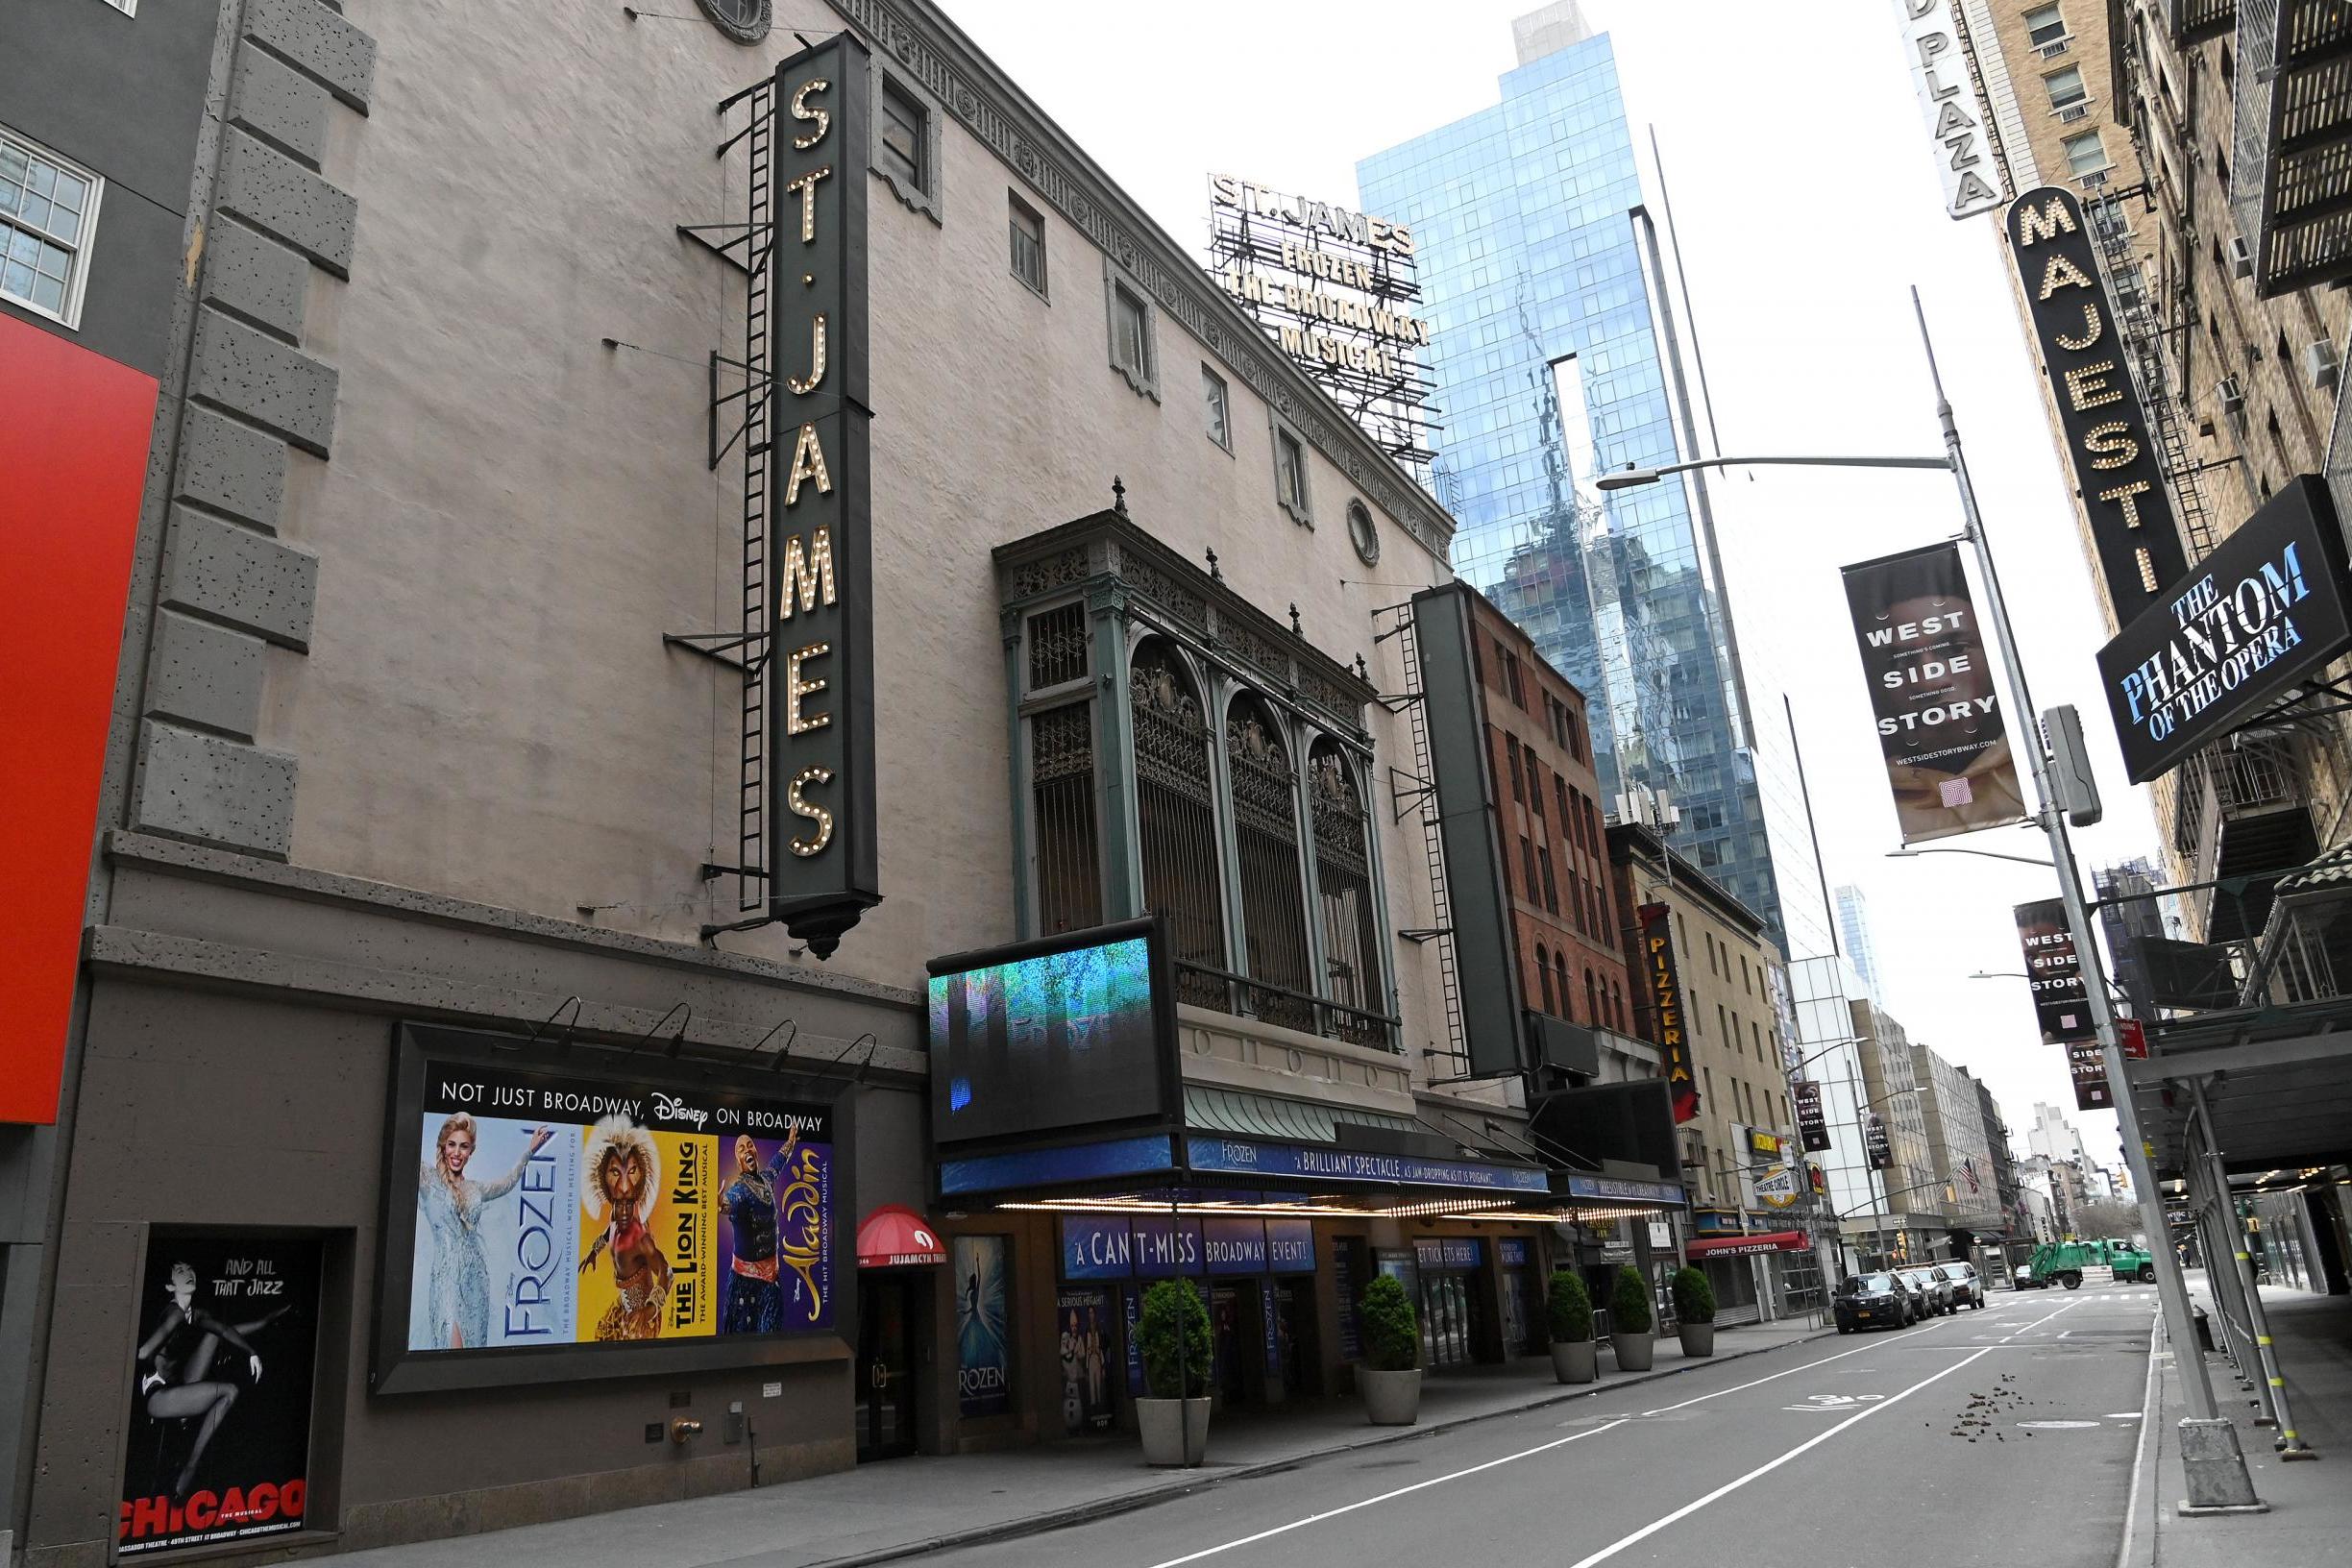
(1176, 815)
(1344, 884)
(1264, 787)
(1063, 833)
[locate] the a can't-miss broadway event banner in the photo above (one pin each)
(553, 1211)
(218, 1445)
(1932, 694)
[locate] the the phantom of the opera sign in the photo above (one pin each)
(1336, 289)
(2267, 608)
(2114, 463)
(821, 860)
(1933, 695)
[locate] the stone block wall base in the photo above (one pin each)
(2216, 1470)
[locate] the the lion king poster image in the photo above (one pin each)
(647, 1254)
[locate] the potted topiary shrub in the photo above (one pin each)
(1391, 1377)
(1177, 1354)
(1631, 1326)
(1693, 1302)
(1569, 1306)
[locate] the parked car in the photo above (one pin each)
(1875, 1301)
(1968, 1290)
(1934, 1289)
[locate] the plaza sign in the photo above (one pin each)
(1956, 118)
(2265, 610)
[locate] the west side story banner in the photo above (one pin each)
(822, 866)
(1934, 695)
(217, 1447)
(555, 1210)
(1666, 1004)
(2054, 972)
(2114, 464)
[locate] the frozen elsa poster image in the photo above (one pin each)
(496, 1228)
(984, 1350)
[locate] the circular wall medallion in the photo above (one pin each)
(746, 21)
(1362, 534)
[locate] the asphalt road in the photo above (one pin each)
(2007, 1434)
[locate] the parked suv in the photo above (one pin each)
(1968, 1290)
(1875, 1301)
(1935, 1291)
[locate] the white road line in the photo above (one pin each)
(1400, 1492)
(2147, 1423)
(1776, 1376)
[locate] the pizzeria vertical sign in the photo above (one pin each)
(2115, 464)
(821, 860)
(1666, 1007)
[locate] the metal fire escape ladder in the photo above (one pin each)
(2136, 327)
(1441, 908)
(758, 437)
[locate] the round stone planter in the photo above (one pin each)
(1576, 1363)
(1697, 1338)
(1391, 1399)
(1633, 1350)
(1175, 1430)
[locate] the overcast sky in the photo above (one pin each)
(1807, 205)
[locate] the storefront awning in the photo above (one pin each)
(1742, 1246)
(896, 1236)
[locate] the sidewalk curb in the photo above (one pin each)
(1106, 1508)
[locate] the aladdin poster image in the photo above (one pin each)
(217, 1444)
(584, 1212)
(1933, 695)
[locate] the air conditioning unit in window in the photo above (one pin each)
(2321, 362)
(2241, 259)
(2232, 398)
(2093, 180)
(2055, 47)
(2073, 113)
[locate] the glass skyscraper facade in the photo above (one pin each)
(1555, 357)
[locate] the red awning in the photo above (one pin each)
(896, 1236)
(1741, 1246)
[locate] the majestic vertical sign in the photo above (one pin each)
(2115, 470)
(1956, 118)
(2266, 609)
(821, 860)
(219, 1434)
(1933, 695)
(1812, 1126)
(2055, 971)
(1470, 833)
(1666, 1007)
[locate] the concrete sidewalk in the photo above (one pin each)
(904, 1507)
(2310, 1522)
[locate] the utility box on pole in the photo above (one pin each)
(2070, 766)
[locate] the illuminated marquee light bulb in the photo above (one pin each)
(814, 812)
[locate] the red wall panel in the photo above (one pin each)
(73, 459)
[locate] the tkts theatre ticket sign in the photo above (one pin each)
(555, 1210)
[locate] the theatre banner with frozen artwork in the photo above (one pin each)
(555, 1208)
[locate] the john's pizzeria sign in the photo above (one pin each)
(819, 673)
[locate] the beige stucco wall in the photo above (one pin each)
(515, 513)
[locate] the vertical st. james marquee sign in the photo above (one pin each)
(2114, 463)
(822, 862)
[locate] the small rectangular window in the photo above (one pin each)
(1028, 231)
(1216, 408)
(2066, 88)
(1510, 745)
(903, 137)
(2045, 25)
(1290, 472)
(1526, 856)
(1550, 888)
(48, 212)
(2085, 153)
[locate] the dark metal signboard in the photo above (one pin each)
(2115, 464)
(1933, 694)
(821, 864)
(2055, 971)
(1470, 833)
(2266, 609)
(1666, 1007)
(1812, 1125)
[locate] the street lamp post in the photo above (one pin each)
(2212, 1463)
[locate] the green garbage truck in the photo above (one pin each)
(2062, 1262)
